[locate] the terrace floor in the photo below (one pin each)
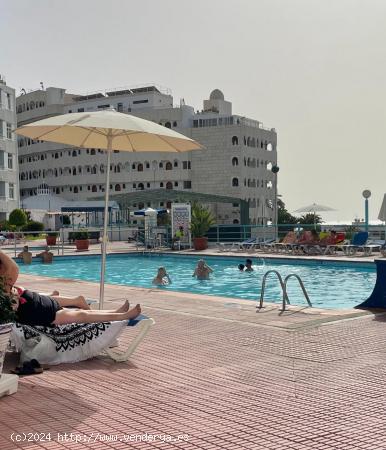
(211, 374)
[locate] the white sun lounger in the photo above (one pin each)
(77, 342)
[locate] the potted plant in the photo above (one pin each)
(201, 220)
(81, 240)
(51, 237)
(7, 318)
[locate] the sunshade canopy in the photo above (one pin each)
(91, 129)
(315, 207)
(382, 212)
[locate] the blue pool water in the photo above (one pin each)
(329, 285)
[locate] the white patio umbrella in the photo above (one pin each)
(108, 130)
(314, 208)
(382, 212)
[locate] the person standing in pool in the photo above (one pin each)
(241, 267)
(33, 308)
(162, 278)
(25, 255)
(202, 270)
(248, 265)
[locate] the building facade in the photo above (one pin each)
(9, 187)
(236, 160)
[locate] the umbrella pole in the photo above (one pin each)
(105, 222)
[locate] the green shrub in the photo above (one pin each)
(201, 220)
(79, 235)
(33, 226)
(18, 218)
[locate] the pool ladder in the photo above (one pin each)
(283, 284)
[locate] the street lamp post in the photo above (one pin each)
(275, 169)
(366, 195)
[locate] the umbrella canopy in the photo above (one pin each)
(382, 212)
(95, 129)
(314, 208)
(149, 211)
(108, 130)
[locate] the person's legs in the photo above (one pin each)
(125, 307)
(65, 316)
(79, 302)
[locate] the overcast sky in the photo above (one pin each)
(314, 70)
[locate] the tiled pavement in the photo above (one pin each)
(226, 377)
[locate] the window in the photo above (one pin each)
(140, 167)
(9, 131)
(169, 185)
(11, 190)
(103, 106)
(174, 124)
(92, 151)
(10, 161)
(9, 105)
(235, 205)
(175, 164)
(186, 165)
(80, 109)
(176, 183)
(117, 187)
(141, 186)
(235, 182)
(168, 166)
(235, 140)
(120, 107)
(187, 184)
(161, 184)
(168, 125)
(137, 102)
(235, 161)
(74, 153)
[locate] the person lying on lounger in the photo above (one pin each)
(33, 308)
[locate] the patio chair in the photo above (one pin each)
(358, 242)
(76, 342)
(247, 244)
(227, 246)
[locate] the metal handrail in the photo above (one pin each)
(301, 285)
(285, 297)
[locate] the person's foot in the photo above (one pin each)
(124, 308)
(134, 312)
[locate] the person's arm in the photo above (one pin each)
(8, 269)
(209, 268)
(194, 273)
(168, 278)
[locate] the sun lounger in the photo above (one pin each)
(76, 342)
(358, 242)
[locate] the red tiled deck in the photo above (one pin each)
(225, 376)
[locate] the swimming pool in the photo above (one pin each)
(329, 284)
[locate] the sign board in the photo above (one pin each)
(181, 213)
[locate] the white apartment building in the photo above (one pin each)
(9, 187)
(236, 161)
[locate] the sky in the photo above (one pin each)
(314, 70)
